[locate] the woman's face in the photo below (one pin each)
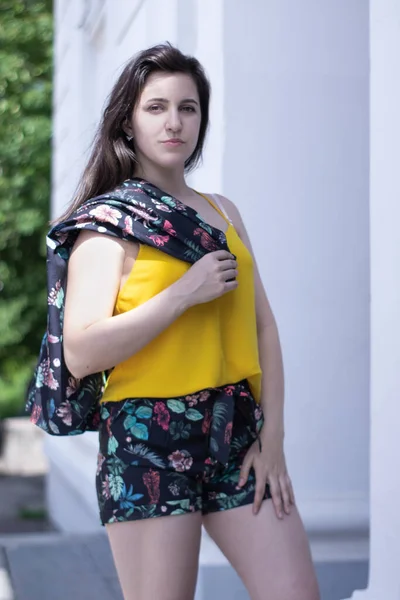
(166, 121)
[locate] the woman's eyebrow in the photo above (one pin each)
(186, 100)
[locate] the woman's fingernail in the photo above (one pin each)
(241, 482)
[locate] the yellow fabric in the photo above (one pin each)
(210, 345)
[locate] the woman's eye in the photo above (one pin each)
(155, 107)
(188, 108)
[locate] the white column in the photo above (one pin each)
(384, 581)
(210, 15)
(296, 163)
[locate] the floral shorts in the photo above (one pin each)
(176, 456)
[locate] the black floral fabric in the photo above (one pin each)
(136, 211)
(174, 456)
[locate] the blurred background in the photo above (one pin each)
(299, 125)
(26, 73)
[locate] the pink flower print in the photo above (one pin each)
(174, 489)
(228, 433)
(180, 460)
(187, 463)
(168, 227)
(164, 509)
(205, 239)
(152, 481)
(204, 396)
(62, 237)
(142, 214)
(128, 226)
(162, 415)
(100, 460)
(258, 413)
(106, 214)
(106, 488)
(52, 339)
(96, 419)
(72, 387)
(205, 426)
(56, 295)
(229, 389)
(64, 411)
(46, 375)
(35, 416)
(192, 399)
(159, 240)
(83, 217)
(163, 207)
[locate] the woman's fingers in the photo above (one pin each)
(275, 489)
(291, 492)
(259, 494)
(285, 493)
(245, 470)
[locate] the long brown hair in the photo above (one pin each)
(113, 158)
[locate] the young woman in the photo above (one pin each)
(192, 413)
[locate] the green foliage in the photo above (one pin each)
(26, 46)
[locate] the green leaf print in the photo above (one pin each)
(168, 201)
(144, 412)
(115, 465)
(213, 444)
(194, 252)
(140, 431)
(104, 412)
(116, 486)
(179, 511)
(63, 253)
(204, 225)
(219, 415)
(59, 298)
(193, 415)
(176, 406)
(178, 430)
(129, 421)
(54, 427)
(185, 503)
(141, 450)
(233, 501)
(112, 445)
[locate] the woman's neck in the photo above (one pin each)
(171, 182)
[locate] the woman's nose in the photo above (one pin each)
(174, 122)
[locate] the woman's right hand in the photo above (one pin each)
(209, 278)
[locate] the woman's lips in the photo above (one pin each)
(173, 143)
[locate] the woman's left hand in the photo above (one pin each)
(270, 467)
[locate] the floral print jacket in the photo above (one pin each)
(135, 210)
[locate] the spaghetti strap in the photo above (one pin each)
(221, 207)
(217, 204)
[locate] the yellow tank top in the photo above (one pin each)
(209, 345)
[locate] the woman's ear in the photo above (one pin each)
(127, 128)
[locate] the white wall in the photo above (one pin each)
(296, 161)
(385, 299)
(289, 144)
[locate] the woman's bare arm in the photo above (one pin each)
(272, 396)
(94, 339)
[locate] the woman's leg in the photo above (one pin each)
(271, 556)
(157, 557)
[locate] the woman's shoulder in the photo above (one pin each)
(230, 208)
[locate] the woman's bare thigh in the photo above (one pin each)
(271, 556)
(157, 557)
